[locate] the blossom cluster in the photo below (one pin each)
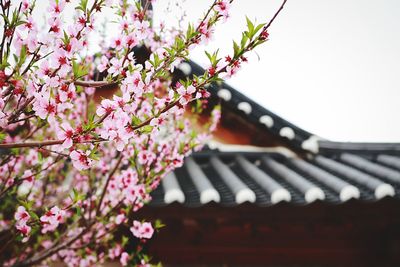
(85, 138)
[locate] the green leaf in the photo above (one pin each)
(22, 55)
(146, 129)
(78, 211)
(259, 26)
(190, 33)
(125, 241)
(34, 216)
(250, 27)
(19, 238)
(158, 224)
(40, 157)
(244, 39)
(135, 121)
(83, 5)
(236, 49)
(2, 137)
(66, 38)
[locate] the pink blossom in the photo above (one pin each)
(159, 121)
(56, 7)
(130, 40)
(142, 230)
(222, 8)
(65, 133)
(186, 93)
(31, 42)
(52, 219)
(145, 157)
(44, 106)
(115, 252)
(103, 64)
(61, 61)
(121, 218)
(44, 69)
(23, 228)
(124, 259)
(28, 178)
(21, 215)
(55, 26)
(66, 92)
(133, 84)
(107, 106)
(25, 5)
(117, 43)
(116, 66)
(30, 24)
(142, 29)
(81, 160)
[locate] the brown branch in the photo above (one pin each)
(96, 84)
(103, 193)
(276, 14)
(43, 143)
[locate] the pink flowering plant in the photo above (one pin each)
(74, 171)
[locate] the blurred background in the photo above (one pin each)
(331, 67)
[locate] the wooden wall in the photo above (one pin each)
(351, 234)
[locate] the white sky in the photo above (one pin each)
(330, 67)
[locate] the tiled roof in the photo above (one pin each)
(265, 179)
(334, 172)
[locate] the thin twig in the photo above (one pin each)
(103, 193)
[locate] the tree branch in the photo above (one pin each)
(103, 193)
(43, 143)
(95, 84)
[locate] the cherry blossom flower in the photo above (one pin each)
(186, 93)
(44, 106)
(130, 40)
(55, 25)
(116, 66)
(121, 218)
(30, 24)
(103, 64)
(44, 69)
(142, 29)
(52, 219)
(67, 92)
(145, 157)
(25, 5)
(56, 7)
(28, 179)
(142, 230)
(65, 133)
(21, 215)
(107, 106)
(133, 84)
(81, 160)
(117, 43)
(60, 61)
(124, 259)
(115, 252)
(223, 8)
(23, 228)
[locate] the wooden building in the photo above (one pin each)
(268, 193)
